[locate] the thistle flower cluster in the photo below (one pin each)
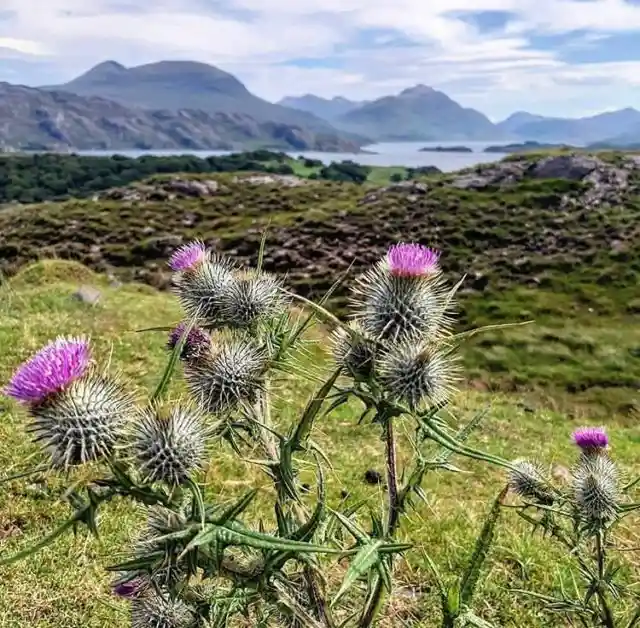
(401, 321)
(594, 481)
(216, 294)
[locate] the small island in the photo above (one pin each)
(445, 149)
(524, 147)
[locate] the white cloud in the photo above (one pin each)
(495, 71)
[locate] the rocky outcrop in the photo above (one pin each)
(604, 181)
(161, 190)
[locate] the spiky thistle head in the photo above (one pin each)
(591, 440)
(528, 480)
(251, 297)
(418, 373)
(200, 290)
(412, 260)
(229, 375)
(188, 256)
(84, 421)
(595, 481)
(403, 296)
(159, 610)
(52, 369)
(168, 443)
(354, 353)
(196, 341)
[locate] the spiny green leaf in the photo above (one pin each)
(366, 558)
(173, 360)
(482, 546)
(254, 540)
(356, 531)
(263, 243)
(236, 509)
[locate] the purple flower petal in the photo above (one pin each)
(188, 256)
(590, 438)
(412, 260)
(130, 589)
(51, 369)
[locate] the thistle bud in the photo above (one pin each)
(402, 297)
(354, 354)
(228, 375)
(527, 480)
(251, 297)
(156, 610)
(196, 341)
(417, 373)
(199, 290)
(596, 489)
(129, 586)
(168, 444)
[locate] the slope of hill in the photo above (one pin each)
(326, 108)
(35, 119)
(176, 85)
(598, 128)
(419, 113)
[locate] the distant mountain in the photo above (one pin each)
(326, 108)
(175, 85)
(519, 119)
(576, 130)
(419, 113)
(36, 119)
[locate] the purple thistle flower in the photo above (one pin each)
(591, 438)
(412, 260)
(196, 340)
(187, 256)
(50, 370)
(130, 589)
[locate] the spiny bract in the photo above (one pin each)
(168, 444)
(416, 373)
(596, 488)
(527, 480)
(355, 354)
(155, 610)
(199, 290)
(399, 306)
(84, 421)
(229, 375)
(251, 297)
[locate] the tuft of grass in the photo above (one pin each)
(66, 585)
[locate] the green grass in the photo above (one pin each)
(65, 585)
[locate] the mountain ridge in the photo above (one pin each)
(36, 119)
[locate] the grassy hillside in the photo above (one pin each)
(65, 584)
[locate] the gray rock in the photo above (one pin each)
(87, 294)
(286, 180)
(571, 167)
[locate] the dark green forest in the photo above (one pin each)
(33, 178)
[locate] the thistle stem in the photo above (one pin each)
(607, 618)
(392, 478)
(393, 519)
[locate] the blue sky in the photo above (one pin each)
(555, 57)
